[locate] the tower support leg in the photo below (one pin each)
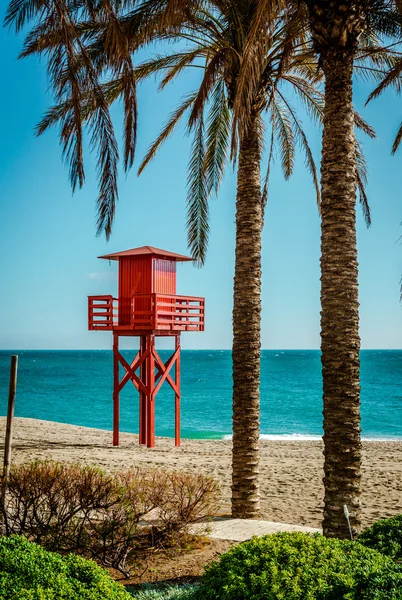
(143, 396)
(116, 397)
(177, 394)
(151, 392)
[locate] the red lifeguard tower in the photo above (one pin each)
(147, 307)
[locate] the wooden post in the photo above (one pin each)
(10, 422)
(116, 399)
(150, 396)
(143, 397)
(177, 396)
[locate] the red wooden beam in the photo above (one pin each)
(143, 396)
(177, 395)
(162, 367)
(116, 399)
(165, 368)
(150, 395)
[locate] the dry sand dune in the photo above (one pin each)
(291, 471)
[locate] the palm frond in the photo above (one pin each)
(19, 12)
(282, 124)
(197, 197)
(210, 75)
(361, 177)
(167, 130)
(397, 140)
(364, 126)
(302, 139)
(264, 193)
(218, 136)
(393, 77)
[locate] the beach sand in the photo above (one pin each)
(291, 471)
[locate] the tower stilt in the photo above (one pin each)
(152, 373)
(116, 396)
(143, 396)
(150, 392)
(177, 394)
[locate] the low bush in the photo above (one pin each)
(298, 566)
(385, 536)
(165, 592)
(72, 508)
(29, 572)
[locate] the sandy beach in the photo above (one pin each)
(291, 471)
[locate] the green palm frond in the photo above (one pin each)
(312, 99)
(218, 137)
(264, 192)
(392, 78)
(397, 140)
(210, 76)
(167, 130)
(302, 139)
(130, 117)
(361, 176)
(20, 12)
(182, 61)
(104, 142)
(197, 197)
(386, 22)
(282, 125)
(364, 126)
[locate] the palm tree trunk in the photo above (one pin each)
(247, 330)
(340, 342)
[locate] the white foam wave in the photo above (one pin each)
(305, 437)
(285, 436)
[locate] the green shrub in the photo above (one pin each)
(29, 572)
(298, 566)
(385, 536)
(165, 592)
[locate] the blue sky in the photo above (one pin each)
(48, 262)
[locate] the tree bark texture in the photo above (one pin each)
(247, 330)
(340, 342)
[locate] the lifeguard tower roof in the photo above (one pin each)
(147, 251)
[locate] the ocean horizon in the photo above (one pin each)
(75, 387)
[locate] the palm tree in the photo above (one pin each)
(338, 31)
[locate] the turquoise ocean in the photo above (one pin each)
(76, 387)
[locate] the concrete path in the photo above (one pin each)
(240, 530)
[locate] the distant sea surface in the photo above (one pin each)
(76, 387)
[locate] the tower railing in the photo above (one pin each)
(102, 312)
(167, 312)
(148, 312)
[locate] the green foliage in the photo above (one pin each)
(298, 566)
(165, 592)
(29, 572)
(385, 536)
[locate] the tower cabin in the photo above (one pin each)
(147, 306)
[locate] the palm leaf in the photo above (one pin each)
(167, 130)
(218, 135)
(281, 123)
(197, 197)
